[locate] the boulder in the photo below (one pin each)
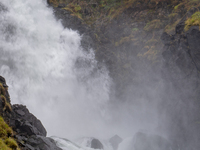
(96, 144)
(37, 142)
(26, 123)
(115, 141)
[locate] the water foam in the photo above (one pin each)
(47, 70)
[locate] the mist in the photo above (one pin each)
(72, 93)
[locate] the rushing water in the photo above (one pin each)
(47, 70)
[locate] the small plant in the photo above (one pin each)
(135, 29)
(3, 99)
(194, 20)
(151, 42)
(152, 25)
(2, 90)
(77, 8)
(7, 107)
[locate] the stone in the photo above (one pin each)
(26, 122)
(115, 141)
(96, 144)
(37, 142)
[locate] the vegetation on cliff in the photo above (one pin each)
(194, 20)
(6, 104)
(6, 140)
(6, 133)
(125, 29)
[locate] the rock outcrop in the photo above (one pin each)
(115, 141)
(181, 73)
(142, 44)
(29, 131)
(96, 144)
(26, 123)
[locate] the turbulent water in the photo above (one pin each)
(47, 70)
(62, 84)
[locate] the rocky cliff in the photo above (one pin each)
(146, 45)
(29, 132)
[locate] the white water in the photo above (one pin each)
(80, 144)
(38, 58)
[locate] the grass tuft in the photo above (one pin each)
(10, 142)
(194, 20)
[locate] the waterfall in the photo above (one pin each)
(48, 71)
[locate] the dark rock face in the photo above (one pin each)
(25, 122)
(115, 141)
(31, 134)
(74, 23)
(181, 71)
(37, 142)
(96, 144)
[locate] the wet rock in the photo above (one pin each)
(29, 131)
(37, 142)
(96, 144)
(115, 141)
(25, 122)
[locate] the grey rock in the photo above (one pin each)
(115, 141)
(37, 142)
(25, 122)
(96, 144)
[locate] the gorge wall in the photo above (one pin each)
(151, 49)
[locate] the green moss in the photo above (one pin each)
(176, 7)
(135, 29)
(3, 146)
(194, 20)
(77, 8)
(6, 105)
(6, 142)
(5, 130)
(151, 42)
(170, 28)
(2, 90)
(152, 25)
(10, 142)
(192, 2)
(172, 15)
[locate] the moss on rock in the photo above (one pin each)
(194, 20)
(6, 142)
